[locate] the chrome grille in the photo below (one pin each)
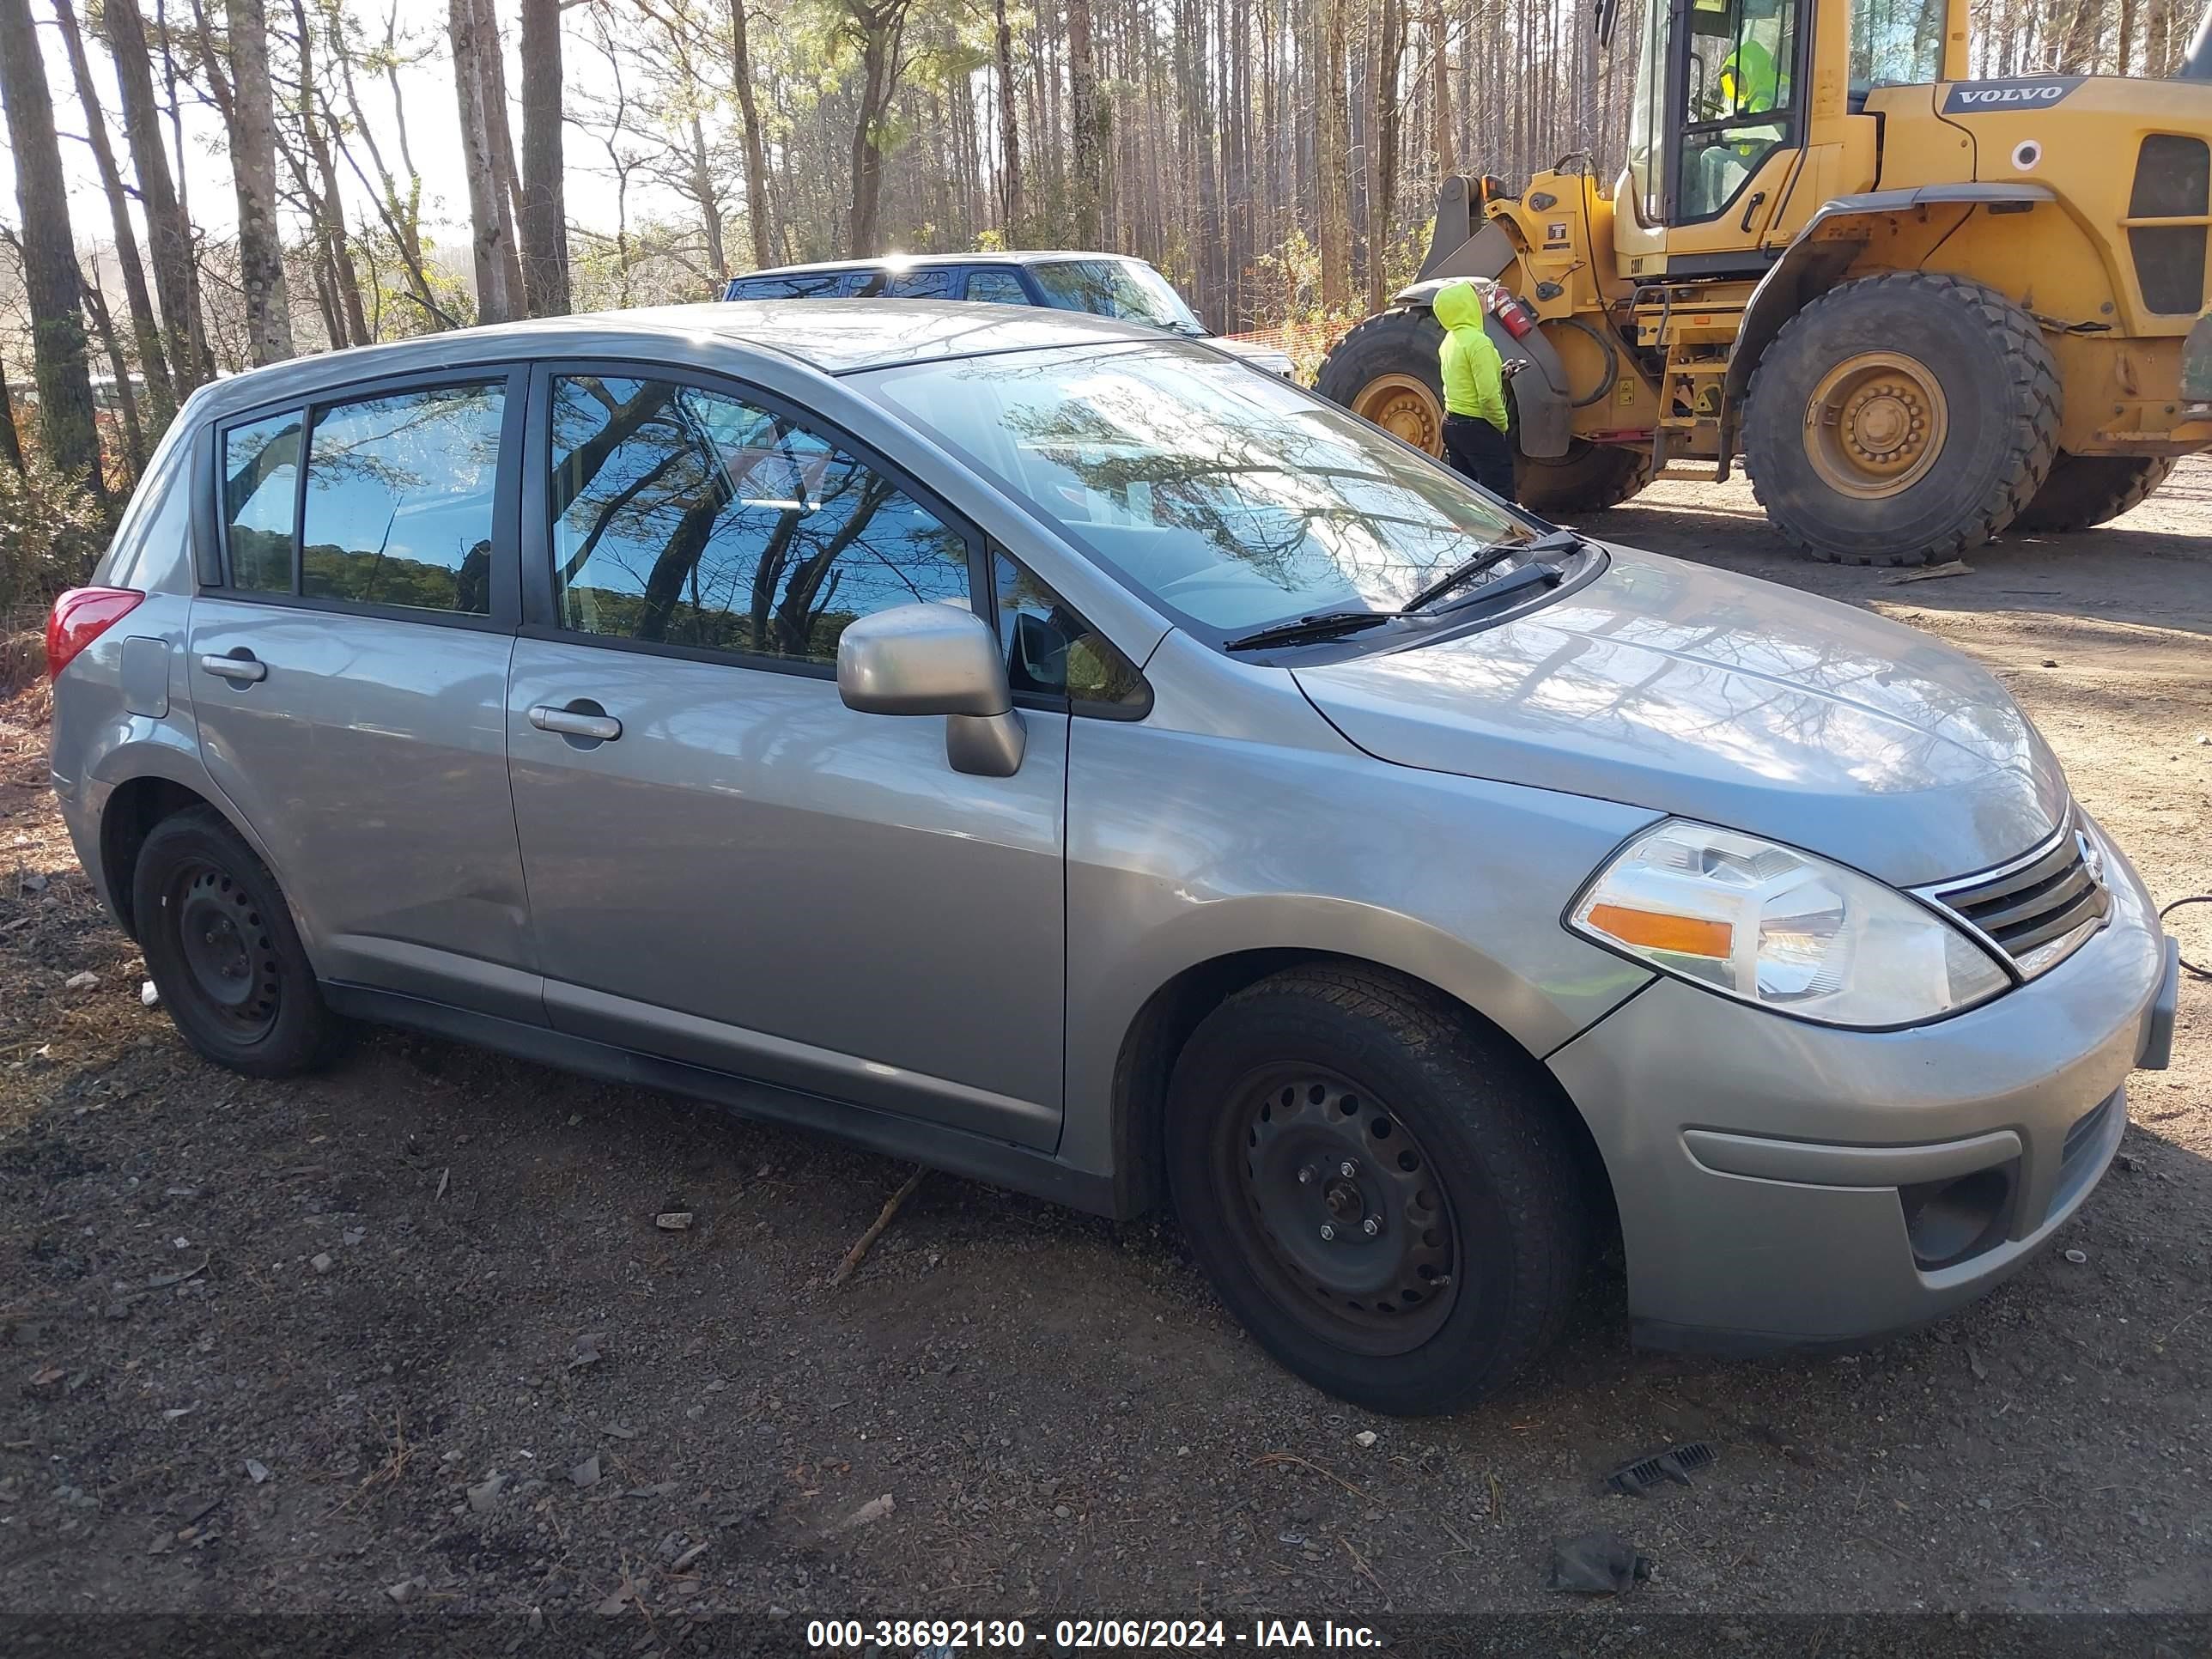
(2034, 911)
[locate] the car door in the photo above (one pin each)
(349, 672)
(727, 866)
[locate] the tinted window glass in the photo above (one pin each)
(1053, 651)
(693, 517)
(260, 472)
(929, 282)
(399, 500)
(998, 287)
(1115, 288)
(805, 285)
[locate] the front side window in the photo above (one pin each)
(996, 287)
(1051, 652)
(399, 500)
(1895, 43)
(260, 485)
(688, 517)
(1235, 499)
(1115, 288)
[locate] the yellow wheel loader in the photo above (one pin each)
(1922, 309)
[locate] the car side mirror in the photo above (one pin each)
(936, 659)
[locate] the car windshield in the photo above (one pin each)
(1115, 288)
(1235, 499)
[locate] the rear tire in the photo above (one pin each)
(2085, 490)
(1901, 418)
(1588, 478)
(222, 951)
(1389, 370)
(1326, 1098)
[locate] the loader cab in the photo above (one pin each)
(1724, 110)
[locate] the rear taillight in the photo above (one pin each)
(81, 616)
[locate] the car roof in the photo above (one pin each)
(912, 261)
(836, 336)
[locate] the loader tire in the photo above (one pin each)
(1588, 478)
(2083, 490)
(1901, 418)
(1387, 370)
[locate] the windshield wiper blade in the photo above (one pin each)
(1493, 553)
(1323, 625)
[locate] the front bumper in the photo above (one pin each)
(1763, 1166)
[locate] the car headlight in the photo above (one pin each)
(1782, 929)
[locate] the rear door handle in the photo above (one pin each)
(592, 723)
(243, 670)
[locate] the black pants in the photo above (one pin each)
(1480, 451)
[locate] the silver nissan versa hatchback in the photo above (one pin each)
(1034, 746)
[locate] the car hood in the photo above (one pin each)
(1271, 358)
(1735, 701)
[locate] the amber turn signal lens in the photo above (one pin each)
(1652, 930)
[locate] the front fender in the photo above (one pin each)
(1822, 251)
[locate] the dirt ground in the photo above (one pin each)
(406, 1336)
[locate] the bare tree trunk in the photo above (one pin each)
(499, 276)
(11, 446)
(1085, 146)
(168, 238)
(145, 332)
(254, 171)
(545, 204)
(50, 273)
(756, 150)
(1333, 157)
(1011, 210)
(126, 396)
(878, 25)
(1382, 199)
(315, 125)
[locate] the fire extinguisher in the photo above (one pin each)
(1515, 313)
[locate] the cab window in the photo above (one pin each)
(1716, 86)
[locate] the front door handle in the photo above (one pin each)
(589, 721)
(242, 669)
(1750, 207)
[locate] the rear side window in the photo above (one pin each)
(997, 288)
(400, 498)
(260, 488)
(801, 285)
(929, 282)
(688, 517)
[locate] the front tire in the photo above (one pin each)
(222, 951)
(1901, 418)
(1381, 1191)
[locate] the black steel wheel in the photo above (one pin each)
(1384, 1190)
(232, 973)
(223, 950)
(1343, 1199)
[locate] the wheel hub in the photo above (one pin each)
(1875, 424)
(1404, 408)
(1349, 1210)
(229, 961)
